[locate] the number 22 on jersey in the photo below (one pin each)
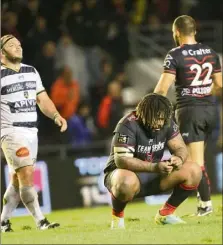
(199, 69)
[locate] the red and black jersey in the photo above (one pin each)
(145, 144)
(193, 65)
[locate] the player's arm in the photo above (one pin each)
(124, 149)
(164, 83)
(178, 149)
(217, 76)
(48, 108)
(217, 80)
(169, 75)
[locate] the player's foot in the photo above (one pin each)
(45, 225)
(6, 226)
(168, 219)
(117, 223)
(204, 211)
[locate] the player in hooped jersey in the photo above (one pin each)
(135, 167)
(21, 90)
(195, 68)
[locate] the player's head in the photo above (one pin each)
(154, 111)
(183, 25)
(11, 49)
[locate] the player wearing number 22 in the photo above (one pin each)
(195, 68)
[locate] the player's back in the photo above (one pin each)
(194, 65)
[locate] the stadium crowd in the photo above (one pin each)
(80, 48)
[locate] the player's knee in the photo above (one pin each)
(126, 188)
(14, 180)
(195, 173)
(28, 194)
(25, 175)
(191, 173)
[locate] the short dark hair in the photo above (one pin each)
(151, 107)
(185, 24)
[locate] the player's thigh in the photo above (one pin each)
(18, 150)
(149, 184)
(211, 117)
(189, 173)
(121, 179)
(192, 123)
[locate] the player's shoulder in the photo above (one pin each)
(172, 125)
(30, 67)
(129, 121)
(174, 50)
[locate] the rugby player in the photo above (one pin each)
(21, 90)
(134, 167)
(195, 68)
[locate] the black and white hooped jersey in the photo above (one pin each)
(18, 98)
(193, 65)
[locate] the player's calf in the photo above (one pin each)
(124, 186)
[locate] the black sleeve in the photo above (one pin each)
(173, 130)
(124, 135)
(170, 63)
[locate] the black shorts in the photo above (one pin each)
(196, 123)
(149, 183)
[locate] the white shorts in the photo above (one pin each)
(20, 149)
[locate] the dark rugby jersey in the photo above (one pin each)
(193, 65)
(143, 144)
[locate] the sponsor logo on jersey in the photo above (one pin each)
(200, 51)
(185, 134)
(23, 106)
(17, 87)
(167, 61)
(26, 94)
(123, 139)
(152, 148)
(202, 91)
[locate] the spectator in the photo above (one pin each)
(121, 77)
(45, 64)
(36, 38)
(65, 94)
(111, 109)
(80, 126)
(70, 54)
(98, 90)
(75, 23)
(9, 24)
(27, 17)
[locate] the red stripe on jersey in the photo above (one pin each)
(188, 65)
(219, 70)
(197, 61)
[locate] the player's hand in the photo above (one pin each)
(176, 162)
(164, 167)
(61, 122)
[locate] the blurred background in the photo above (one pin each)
(97, 58)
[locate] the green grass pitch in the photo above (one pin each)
(91, 226)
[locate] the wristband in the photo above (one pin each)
(55, 115)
